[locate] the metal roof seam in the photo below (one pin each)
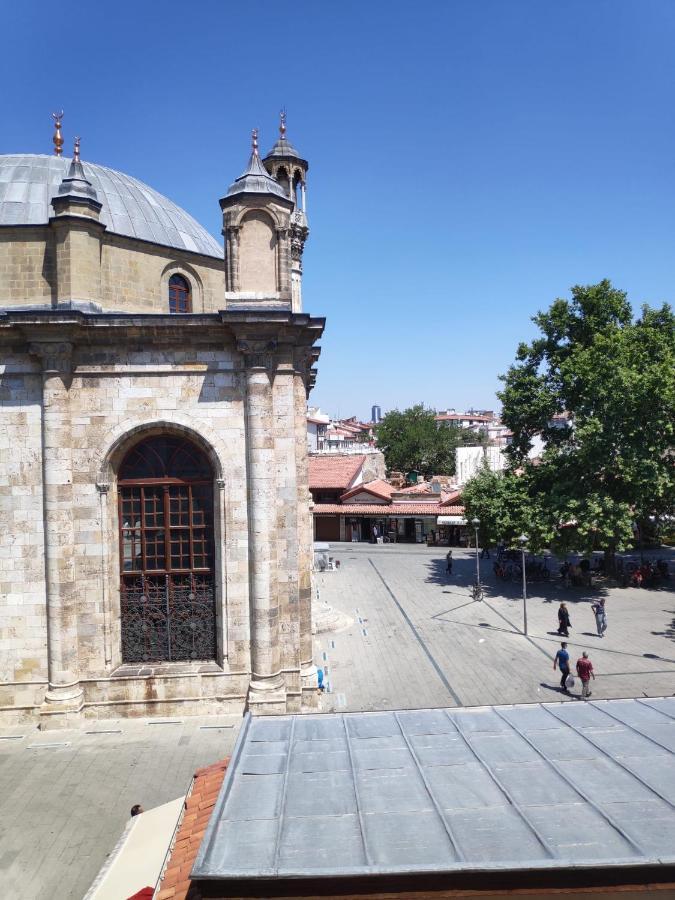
(645, 702)
(502, 787)
(616, 761)
(579, 790)
(357, 796)
(632, 727)
(453, 840)
(284, 792)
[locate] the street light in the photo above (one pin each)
(477, 591)
(523, 541)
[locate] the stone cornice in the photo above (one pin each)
(253, 333)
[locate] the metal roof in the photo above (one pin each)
(29, 181)
(542, 786)
(255, 179)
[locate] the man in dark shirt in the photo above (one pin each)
(585, 672)
(562, 661)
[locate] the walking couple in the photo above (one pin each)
(584, 670)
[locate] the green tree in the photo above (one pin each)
(504, 504)
(611, 462)
(411, 439)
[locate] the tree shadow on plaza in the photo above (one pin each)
(464, 575)
(669, 629)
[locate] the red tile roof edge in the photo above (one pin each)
(201, 798)
(387, 510)
(377, 487)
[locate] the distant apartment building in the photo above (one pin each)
(326, 435)
(474, 419)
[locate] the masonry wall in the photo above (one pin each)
(23, 634)
(134, 275)
(27, 266)
(117, 395)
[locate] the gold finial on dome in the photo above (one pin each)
(58, 137)
(254, 141)
(282, 124)
(76, 150)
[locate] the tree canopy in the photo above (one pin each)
(411, 439)
(608, 458)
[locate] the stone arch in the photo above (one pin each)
(257, 253)
(278, 216)
(125, 436)
(193, 279)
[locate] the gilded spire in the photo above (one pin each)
(76, 150)
(254, 141)
(282, 124)
(58, 137)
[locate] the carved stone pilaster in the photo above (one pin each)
(64, 697)
(232, 235)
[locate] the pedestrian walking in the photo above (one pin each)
(585, 673)
(485, 553)
(448, 562)
(564, 623)
(562, 662)
(600, 617)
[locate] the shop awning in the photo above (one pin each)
(451, 520)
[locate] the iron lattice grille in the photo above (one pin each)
(168, 617)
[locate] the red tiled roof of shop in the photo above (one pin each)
(333, 471)
(450, 498)
(199, 803)
(392, 510)
(378, 487)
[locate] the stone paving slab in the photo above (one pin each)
(66, 795)
(419, 640)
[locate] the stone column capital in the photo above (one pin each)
(56, 356)
(258, 354)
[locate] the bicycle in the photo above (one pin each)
(477, 591)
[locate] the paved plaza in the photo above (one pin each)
(417, 640)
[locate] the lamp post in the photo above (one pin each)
(476, 524)
(523, 541)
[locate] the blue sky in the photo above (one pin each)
(470, 160)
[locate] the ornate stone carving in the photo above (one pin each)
(56, 356)
(298, 237)
(258, 354)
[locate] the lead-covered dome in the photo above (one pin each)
(29, 181)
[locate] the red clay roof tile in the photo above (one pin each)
(336, 471)
(176, 884)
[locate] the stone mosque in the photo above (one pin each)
(155, 539)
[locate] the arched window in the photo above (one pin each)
(180, 299)
(166, 552)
